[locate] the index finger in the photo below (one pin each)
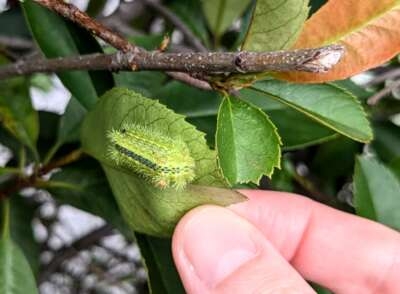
(340, 251)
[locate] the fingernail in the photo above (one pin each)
(216, 243)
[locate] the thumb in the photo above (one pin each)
(217, 251)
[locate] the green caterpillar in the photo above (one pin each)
(162, 160)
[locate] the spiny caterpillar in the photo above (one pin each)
(162, 160)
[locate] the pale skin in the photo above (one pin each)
(275, 241)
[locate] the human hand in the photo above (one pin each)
(275, 241)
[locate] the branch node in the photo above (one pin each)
(238, 60)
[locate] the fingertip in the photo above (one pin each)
(212, 244)
(185, 269)
(281, 217)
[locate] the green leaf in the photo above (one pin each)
(387, 140)
(41, 81)
(320, 290)
(358, 91)
(157, 254)
(244, 26)
(95, 7)
(12, 23)
(298, 131)
(247, 142)
(208, 125)
(15, 275)
(65, 39)
(89, 191)
(120, 106)
(295, 129)
(220, 14)
(395, 167)
(328, 168)
(5, 218)
(327, 104)
(146, 208)
(190, 12)
(201, 107)
(376, 192)
(146, 83)
(9, 170)
(12, 143)
(283, 179)
(67, 128)
(48, 122)
(148, 42)
(189, 101)
(21, 216)
(315, 5)
(153, 211)
(102, 80)
(70, 122)
(17, 113)
(275, 25)
(328, 154)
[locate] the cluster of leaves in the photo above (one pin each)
(319, 126)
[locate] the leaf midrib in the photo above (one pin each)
(7, 267)
(315, 116)
(233, 137)
(221, 9)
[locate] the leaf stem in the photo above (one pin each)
(5, 218)
(67, 159)
(22, 159)
(19, 182)
(55, 184)
(51, 152)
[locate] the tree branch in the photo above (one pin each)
(391, 74)
(187, 79)
(16, 43)
(79, 17)
(310, 60)
(383, 93)
(136, 58)
(18, 182)
(180, 25)
(72, 13)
